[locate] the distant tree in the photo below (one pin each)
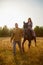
(11, 31)
(5, 31)
(0, 31)
(39, 31)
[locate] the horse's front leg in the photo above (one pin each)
(29, 43)
(23, 44)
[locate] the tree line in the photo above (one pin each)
(39, 31)
(6, 32)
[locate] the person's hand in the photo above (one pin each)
(11, 41)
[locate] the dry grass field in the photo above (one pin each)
(32, 56)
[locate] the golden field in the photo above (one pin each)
(32, 56)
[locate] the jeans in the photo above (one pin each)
(14, 46)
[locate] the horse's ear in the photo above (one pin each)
(24, 22)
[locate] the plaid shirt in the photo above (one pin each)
(17, 34)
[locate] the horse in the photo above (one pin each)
(27, 36)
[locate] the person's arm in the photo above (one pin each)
(31, 24)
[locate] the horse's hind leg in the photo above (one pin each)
(23, 45)
(35, 40)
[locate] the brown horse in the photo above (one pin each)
(27, 36)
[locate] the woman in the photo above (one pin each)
(30, 24)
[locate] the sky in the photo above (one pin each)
(17, 11)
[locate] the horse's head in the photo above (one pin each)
(25, 26)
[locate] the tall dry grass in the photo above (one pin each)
(32, 56)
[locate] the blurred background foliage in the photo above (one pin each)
(6, 32)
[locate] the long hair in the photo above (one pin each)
(29, 19)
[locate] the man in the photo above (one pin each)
(16, 37)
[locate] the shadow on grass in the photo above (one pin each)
(27, 59)
(2, 61)
(21, 59)
(16, 60)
